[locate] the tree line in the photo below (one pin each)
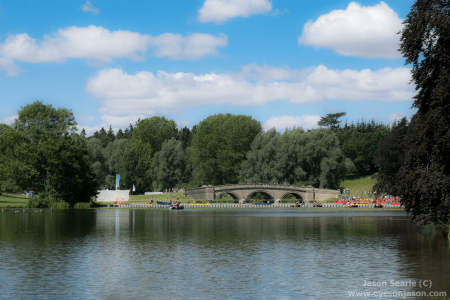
(42, 151)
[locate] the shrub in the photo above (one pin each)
(83, 205)
(44, 202)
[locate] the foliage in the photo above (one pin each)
(219, 147)
(331, 120)
(185, 136)
(42, 151)
(45, 202)
(113, 153)
(83, 205)
(359, 143)
(135, 166)
(424, 179)
(312, 158)
(391, 155)
(260, 161)
(154, 131)
(171, 166)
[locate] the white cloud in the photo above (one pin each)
(163, 93)
(194, 46)
(101, 45)
(283, 122)
(121, 122)
(90, 8)
(8, 120)
(220, 11)
(369, 31)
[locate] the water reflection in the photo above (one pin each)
(215, 253)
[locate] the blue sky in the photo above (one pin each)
(286, 63)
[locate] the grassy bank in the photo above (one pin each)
(6, 201)
(362, 184)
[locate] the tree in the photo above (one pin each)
(424, 179)
(331, 120)
(171, 166)
(310, 158)
(135, 166)
(113, 153)
(43, 147)
(98, 160)
(296, 157)
(359, 143)
(260, 162)
(155, 131)
(185, 136)
(219, 147)
(391, 155)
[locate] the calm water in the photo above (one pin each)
(117, 254)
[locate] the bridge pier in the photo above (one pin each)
(277, 201)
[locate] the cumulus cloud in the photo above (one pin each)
(220, 11)
(193, 47)
(8, 120)
(163, 93)
(283, 122)
(363, 31)
(99, 44)
(88, 7)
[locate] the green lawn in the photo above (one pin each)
(159, 197)
(13, 201)
(361, 184)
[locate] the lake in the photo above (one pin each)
(207, 253)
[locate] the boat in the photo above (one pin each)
(378, 206)
(176, 207)
(347, 206)
(318, 205)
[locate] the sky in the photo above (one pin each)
(285, 63)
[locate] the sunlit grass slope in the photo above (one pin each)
(361, 184)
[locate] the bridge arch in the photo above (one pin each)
(297, 196)
(270, 196)
(233, 195)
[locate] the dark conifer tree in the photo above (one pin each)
(424, 179)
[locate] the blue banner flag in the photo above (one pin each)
(117, 180)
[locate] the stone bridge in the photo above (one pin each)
(275, 192)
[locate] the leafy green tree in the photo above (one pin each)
(171, 166)
(360, 143)
(219, 147)
(260, 163)
(113, 153)
(135, 166)
(331, 120)
(296, 157)
(14, 172)
(155, 131)
(53, 159)
(98, 160)
(312, 158)
(185, 136)
(424, 179)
